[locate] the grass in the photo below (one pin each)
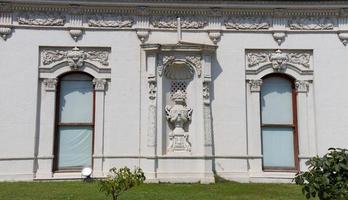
(75, 190)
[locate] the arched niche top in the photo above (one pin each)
(179, 70)
(63, 68)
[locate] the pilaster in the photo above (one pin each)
(47, 129)
(98, 156)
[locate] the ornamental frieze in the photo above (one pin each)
(311, 23)
(109, 20)
(75, 57)
(248, 23)
(172, 22)
(278, 59)
(41, 19)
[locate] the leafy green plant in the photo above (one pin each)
(327, 176)
(121, 180)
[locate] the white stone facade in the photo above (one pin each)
(140, 52)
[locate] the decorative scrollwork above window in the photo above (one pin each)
(279, 59)
(75, 57)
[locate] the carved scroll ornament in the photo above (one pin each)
(311, 23)
(278, 59)
(41, 19)
(109, 20)
(172, 23)
(74, 57)
(248, 23)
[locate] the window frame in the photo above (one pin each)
(58, 124)
(294, 126)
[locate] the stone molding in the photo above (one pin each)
(126, 17)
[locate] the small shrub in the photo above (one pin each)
(327, 176)
(121, 180)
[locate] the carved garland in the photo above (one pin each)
(311, 23)
(74, 57)
(171, 22)
(109, 20)
(248, 23)
(41, 19)
(278, 59)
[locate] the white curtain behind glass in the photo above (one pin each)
(76, 121)
(277, 120)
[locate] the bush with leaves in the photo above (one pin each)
(327, 176)
(121, 180)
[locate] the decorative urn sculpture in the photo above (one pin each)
(178, 116)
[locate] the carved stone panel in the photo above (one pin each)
(41, 19)
(172, 23)
(248, 23)
(311, 23)
(279, 59)
(110, 20)
(75, 57)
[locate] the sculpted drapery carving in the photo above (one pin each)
(74, 57)
(178, 116)
(278, 59)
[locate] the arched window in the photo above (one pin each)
(74, 122)
(279, 123)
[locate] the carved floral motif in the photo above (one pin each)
(278, 59)
(248, 23)
(152, 90)
(109, 20)
(255, 85)
(171, 22)
(178, 117)
(196, 60)
(311, 23)
(99, 84)
(50, 84)
(301, 86)
(206, 93)
(74, 57)
(41, 19)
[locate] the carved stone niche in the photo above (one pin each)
(183, 74)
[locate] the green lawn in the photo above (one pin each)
(89, 191)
